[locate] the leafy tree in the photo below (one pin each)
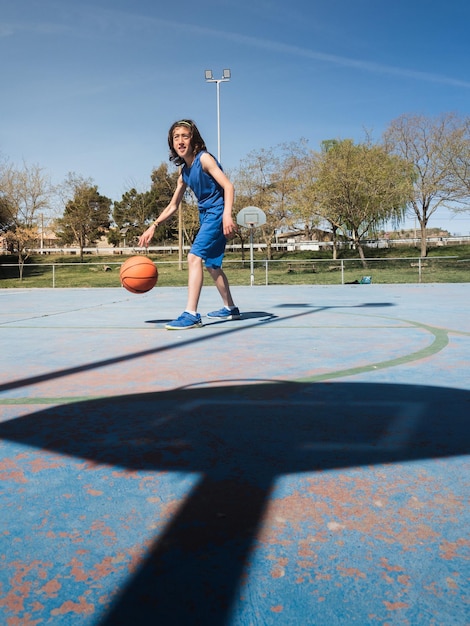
(130, 214)
(6, 213)
(24, 194)
(163, 185)
(439, 154)
(86, 216)
(136, 210)
(5, 208)
(306, 201)
(359, 187)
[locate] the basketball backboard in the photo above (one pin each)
(251, 217)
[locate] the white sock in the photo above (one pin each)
(191, 312)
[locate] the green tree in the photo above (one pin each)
(130, 214)
(6, 213)
(305, 196)
(86, 216)
(133, 213)
(439, 155)
(359, 187)
(163, 185)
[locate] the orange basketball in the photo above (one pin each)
(138, 274)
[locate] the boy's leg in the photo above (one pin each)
(195, 281)
(222, 284)
(190, 318)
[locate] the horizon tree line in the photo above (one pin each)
(351, 189)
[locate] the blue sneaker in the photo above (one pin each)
(226, 314)
(185, 321)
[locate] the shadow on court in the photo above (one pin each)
(240, 439)
(256, 318)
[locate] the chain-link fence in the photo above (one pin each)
(265, 272)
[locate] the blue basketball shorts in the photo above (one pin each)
(210, 241)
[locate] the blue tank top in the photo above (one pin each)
(207, 191)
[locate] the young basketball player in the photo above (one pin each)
(214, 192)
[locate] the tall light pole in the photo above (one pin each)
(210, 79)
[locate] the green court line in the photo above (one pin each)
(49, 401)
(441, 340)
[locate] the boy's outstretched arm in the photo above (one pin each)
(146, 237)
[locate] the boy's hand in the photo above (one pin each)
(230, 228)
(146, 237)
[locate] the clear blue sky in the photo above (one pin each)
(92, 87)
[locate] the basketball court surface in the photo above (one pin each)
(305, 465)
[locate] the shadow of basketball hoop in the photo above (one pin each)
(239, 439)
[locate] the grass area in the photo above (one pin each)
(394, 265)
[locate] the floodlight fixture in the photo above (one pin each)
(226, 75)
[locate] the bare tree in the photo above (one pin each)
(456, 153)
(439, 158)
(25, 195)
(267, 179)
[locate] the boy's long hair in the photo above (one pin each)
(197, 142)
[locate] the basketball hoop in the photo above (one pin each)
(251, 217)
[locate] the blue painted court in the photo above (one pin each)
(306, 465)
